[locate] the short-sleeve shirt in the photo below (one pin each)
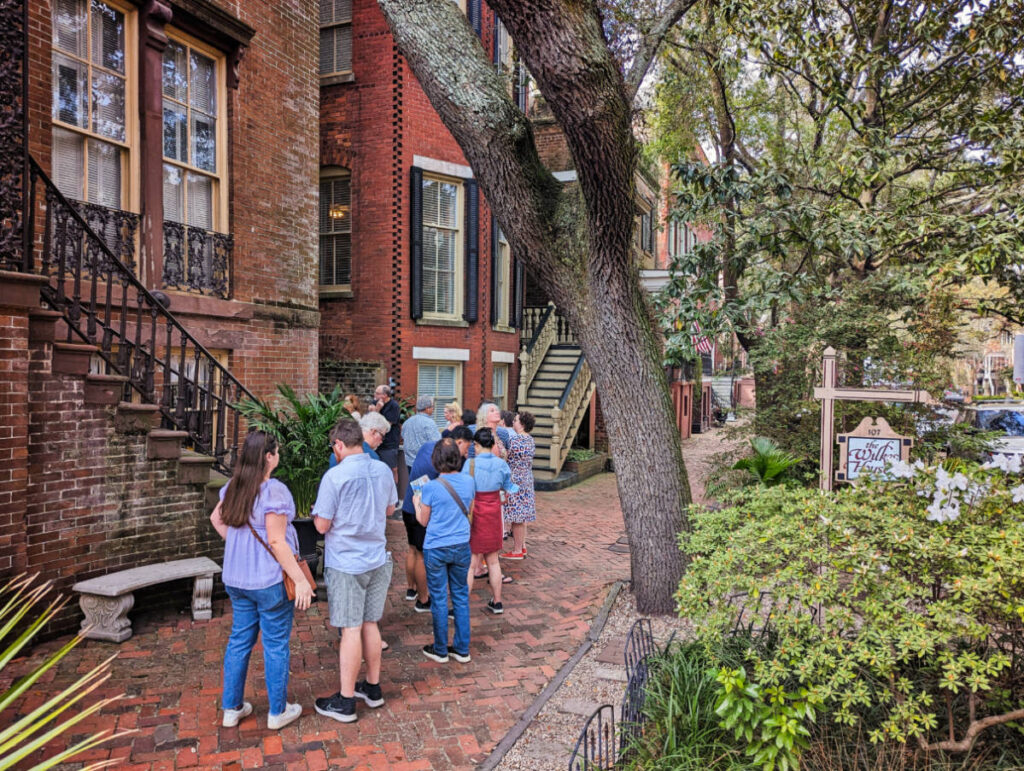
(393, 415)
(332, 462)
(416, 431)
(247, 565)
(491, 473)
(422, 466)
(354, 496)
(448, 526)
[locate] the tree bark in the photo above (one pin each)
(577, 239)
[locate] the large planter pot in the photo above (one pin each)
(308, 536)
(586, 468)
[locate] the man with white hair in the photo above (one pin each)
(374, 428)
(419, 429)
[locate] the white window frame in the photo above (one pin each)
(441, 399)
(337, 25)
(458, 273)
(503, 265)
(219, 198)
(333, 173)
(129, 159)
(501, 399)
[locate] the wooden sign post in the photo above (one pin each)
(829, 393)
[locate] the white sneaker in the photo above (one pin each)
(290, 715)
(232, 716)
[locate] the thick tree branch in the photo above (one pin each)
(651, 42)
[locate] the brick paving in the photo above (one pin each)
(437, 716)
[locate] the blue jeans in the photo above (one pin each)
(447, 569)
(253, 611)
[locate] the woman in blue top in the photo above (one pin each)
(492, 476)
(443, 508)
(254, 508)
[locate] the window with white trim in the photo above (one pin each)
(499, 385)
(502, 268)
(442, 381)
(442, 248)
(335, 229)
(195, 192)
(92, 100)
(681, 239)
(335, 37)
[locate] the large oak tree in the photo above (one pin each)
(576, 238)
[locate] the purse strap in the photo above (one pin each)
(263, 543)
(455, 495)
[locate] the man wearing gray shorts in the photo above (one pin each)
(351, 510)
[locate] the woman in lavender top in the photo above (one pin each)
(254, 507)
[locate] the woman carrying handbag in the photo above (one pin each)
(254, 518)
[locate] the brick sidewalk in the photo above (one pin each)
(437, 716)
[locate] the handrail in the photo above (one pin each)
(572, 381)
(73, 253)
(540, 326)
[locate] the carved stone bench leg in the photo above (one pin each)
(202, 598)
(107, 616)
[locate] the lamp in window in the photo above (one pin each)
(338, 211)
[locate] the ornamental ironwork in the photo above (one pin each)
(197, 260)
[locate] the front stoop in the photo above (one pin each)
(42, 326)
(132, 418)
(193, 468)
(104, 389)
(162, 444)
(72, 358)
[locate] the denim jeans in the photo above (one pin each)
(253, 611)
(447, 569)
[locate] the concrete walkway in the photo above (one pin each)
(437, 716)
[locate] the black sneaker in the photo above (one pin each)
(451, 613)
(495, 607)
(430, 653)
(410, 595)
(371, 694)
(462, 658)
(337, 707)
(422, 607)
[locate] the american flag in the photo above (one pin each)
(702, 343)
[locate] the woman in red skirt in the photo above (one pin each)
(492, 476)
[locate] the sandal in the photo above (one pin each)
(479, 576)
(507, 580)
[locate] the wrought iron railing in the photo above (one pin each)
(536, 346)
(567, 414)
(597, 747)
(104, 304)
(197, 260)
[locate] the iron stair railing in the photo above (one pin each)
(104, 304)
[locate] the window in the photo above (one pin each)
(335, 230)
(646, 230)
(680, 239)
(442, 247)
(499, 385)
(92, 102)
(443, 381)
(194, 137)
(335, 37)
(501, 266)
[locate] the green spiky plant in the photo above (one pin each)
(27, 733)
(769, 464)
(301, 430)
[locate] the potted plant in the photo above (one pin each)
(585, 462)
(301, 430)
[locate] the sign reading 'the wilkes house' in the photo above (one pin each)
(869, 448)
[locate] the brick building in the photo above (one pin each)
(157, 263)
(416, 281)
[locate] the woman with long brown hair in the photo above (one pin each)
(254, 518)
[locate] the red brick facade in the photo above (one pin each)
(376, 126)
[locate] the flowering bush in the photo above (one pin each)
(897, 606)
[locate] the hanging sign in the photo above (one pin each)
(869, 449)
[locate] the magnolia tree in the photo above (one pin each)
(576, 238)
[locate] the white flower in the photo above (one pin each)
(902, 470)
(1011, 464)
(958, 482)
(939, 513)
(1018, 494)
(919, 465)
(942, 480)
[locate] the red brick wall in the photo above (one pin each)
(374, 126)
(13, 437)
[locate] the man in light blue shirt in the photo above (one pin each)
(351, 510)
(419, 429)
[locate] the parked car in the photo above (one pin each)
(1005, 417)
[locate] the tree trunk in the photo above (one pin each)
(576, 239)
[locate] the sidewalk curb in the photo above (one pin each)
(596, 627)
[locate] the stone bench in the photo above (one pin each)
(106, 600)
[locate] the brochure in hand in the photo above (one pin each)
(418, 483)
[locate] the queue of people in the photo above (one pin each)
(468, 487)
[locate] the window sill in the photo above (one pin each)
(333, 80)
(503, 328)
(335, 292)
(436, 322)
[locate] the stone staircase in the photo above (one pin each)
(556, 386)
(722, 388)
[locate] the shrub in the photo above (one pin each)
(897, 606)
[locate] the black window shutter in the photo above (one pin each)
(518, 288)
(495, 277)
(472, 311)
(473, 12)
(416, 242)
(495, 53)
